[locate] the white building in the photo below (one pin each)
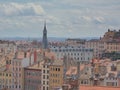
(45, 76)
(111, 81)
(79, 53)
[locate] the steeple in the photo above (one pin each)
(45, 41)
(45, 26)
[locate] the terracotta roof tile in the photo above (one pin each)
(98, 88)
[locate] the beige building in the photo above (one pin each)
(118, 66)
(48, 58)
(112, 47)
(93, 44)
(56, 75)
(6, 80)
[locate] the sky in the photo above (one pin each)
(64, 18)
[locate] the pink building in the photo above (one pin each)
(32, 79)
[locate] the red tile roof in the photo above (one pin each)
(98, 88)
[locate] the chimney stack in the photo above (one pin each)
(35, 56)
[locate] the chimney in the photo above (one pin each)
(30, 59)
(25, 54)
(35, 56)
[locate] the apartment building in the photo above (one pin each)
(6, 72)
(45, 76)
(32, 77)
(6, 79)
(111, 81)
(18, 64)
(75, 42)
(112, 46)
(118, 66)
(94, 44)
(56, 75)
(76, 53)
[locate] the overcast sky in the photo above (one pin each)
(65, 18)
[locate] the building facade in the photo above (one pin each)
(32, 79)
(56, 75)
(77, 53)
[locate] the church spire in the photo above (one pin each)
(45, 41)
(45, 25)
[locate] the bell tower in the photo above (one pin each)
(44, 40)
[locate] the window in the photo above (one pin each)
(116, 83)
(88, 58)
(47, 88)
(58, 69)
(43, 66)
(16, 86)
(47, 82)
(47, 71)
(19, 86)
(55, 50)
(20, 74)
(12, 86)
(81, 58)
(43, 76)
(44, 82)
(70, 50)
(6, 74)
(19, 69)
(43, 71)
(43, 87)
(47, 77)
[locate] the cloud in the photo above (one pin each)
(99, 20)
(19, 9)
(87, 18)
(68, 18)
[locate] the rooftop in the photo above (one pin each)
(98, 88)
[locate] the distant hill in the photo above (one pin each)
(40, 39)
